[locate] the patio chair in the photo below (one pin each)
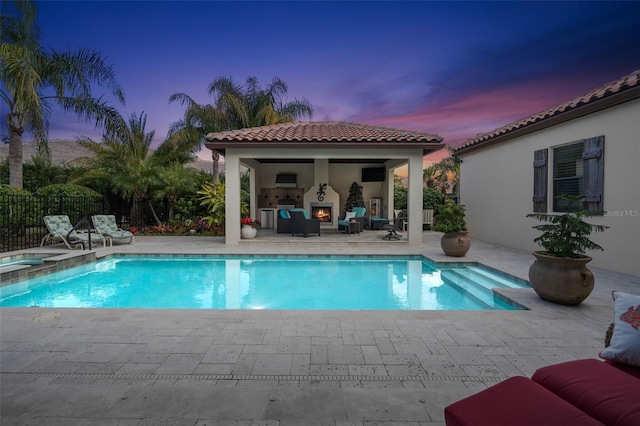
(106, 226)
(283, 222)
(393, 228)
(357, 213)
(301, 224)
(61, 231)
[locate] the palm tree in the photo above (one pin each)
(132, 168)
(175, 180)
(254, 106)
(198, 120)
(236, 107)
(443, 175)
(27, 70)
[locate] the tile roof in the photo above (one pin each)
(613, 93)
(323, 131)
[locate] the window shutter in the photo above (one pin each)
(593, 173)
(540, 176)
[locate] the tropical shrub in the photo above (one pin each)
(399, 196)
(67, 189)
(449, 217)
(431, 198)
(76, 201)
(17, 206)
(213, 198)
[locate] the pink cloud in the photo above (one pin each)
(482, 112)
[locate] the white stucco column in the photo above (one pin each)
(253, 195)
(232, 198)
(414, 202)
(390, 194)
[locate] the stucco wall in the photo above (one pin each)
(496, 185)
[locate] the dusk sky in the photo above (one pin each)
(452, 68)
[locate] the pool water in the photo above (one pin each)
(349, 283)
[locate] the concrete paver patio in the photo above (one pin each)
(241, 367)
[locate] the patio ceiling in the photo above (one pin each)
(323, 134)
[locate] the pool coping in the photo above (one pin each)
(52, 370)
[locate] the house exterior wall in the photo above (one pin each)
(496, 185)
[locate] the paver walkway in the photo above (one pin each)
(342, 368)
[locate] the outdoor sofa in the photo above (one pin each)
(581, 393)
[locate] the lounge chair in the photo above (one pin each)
(301, 224)
(106, 226)
(357, 213)
(61, 231)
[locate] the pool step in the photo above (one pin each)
(479, 291)
(489, 278)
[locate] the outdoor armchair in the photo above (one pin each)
(106, 226)
(61, 231)
(357, 213)
(300, 224)
(283, 222)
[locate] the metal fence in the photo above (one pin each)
(22, 227)
(21, 224)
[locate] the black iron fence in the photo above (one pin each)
(22, 227)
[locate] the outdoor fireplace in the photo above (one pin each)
(323, 203)
(322, 211)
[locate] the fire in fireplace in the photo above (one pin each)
(322, 213)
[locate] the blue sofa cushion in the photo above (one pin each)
(284, 214)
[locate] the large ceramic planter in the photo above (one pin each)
(455, 244)
(248, 232)
(560, 280)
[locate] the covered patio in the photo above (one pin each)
(323, 157)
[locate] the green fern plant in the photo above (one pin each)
(567, 235)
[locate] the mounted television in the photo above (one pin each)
(373, 174)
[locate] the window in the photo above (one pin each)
(567, 174)
(578, 169)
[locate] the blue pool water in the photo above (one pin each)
(263, 283)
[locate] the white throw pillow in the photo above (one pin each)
(625, 342)
(349, 215)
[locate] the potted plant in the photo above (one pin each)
(559, 273)
(450, 220)
(249, 227)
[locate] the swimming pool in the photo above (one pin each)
(201, 282)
